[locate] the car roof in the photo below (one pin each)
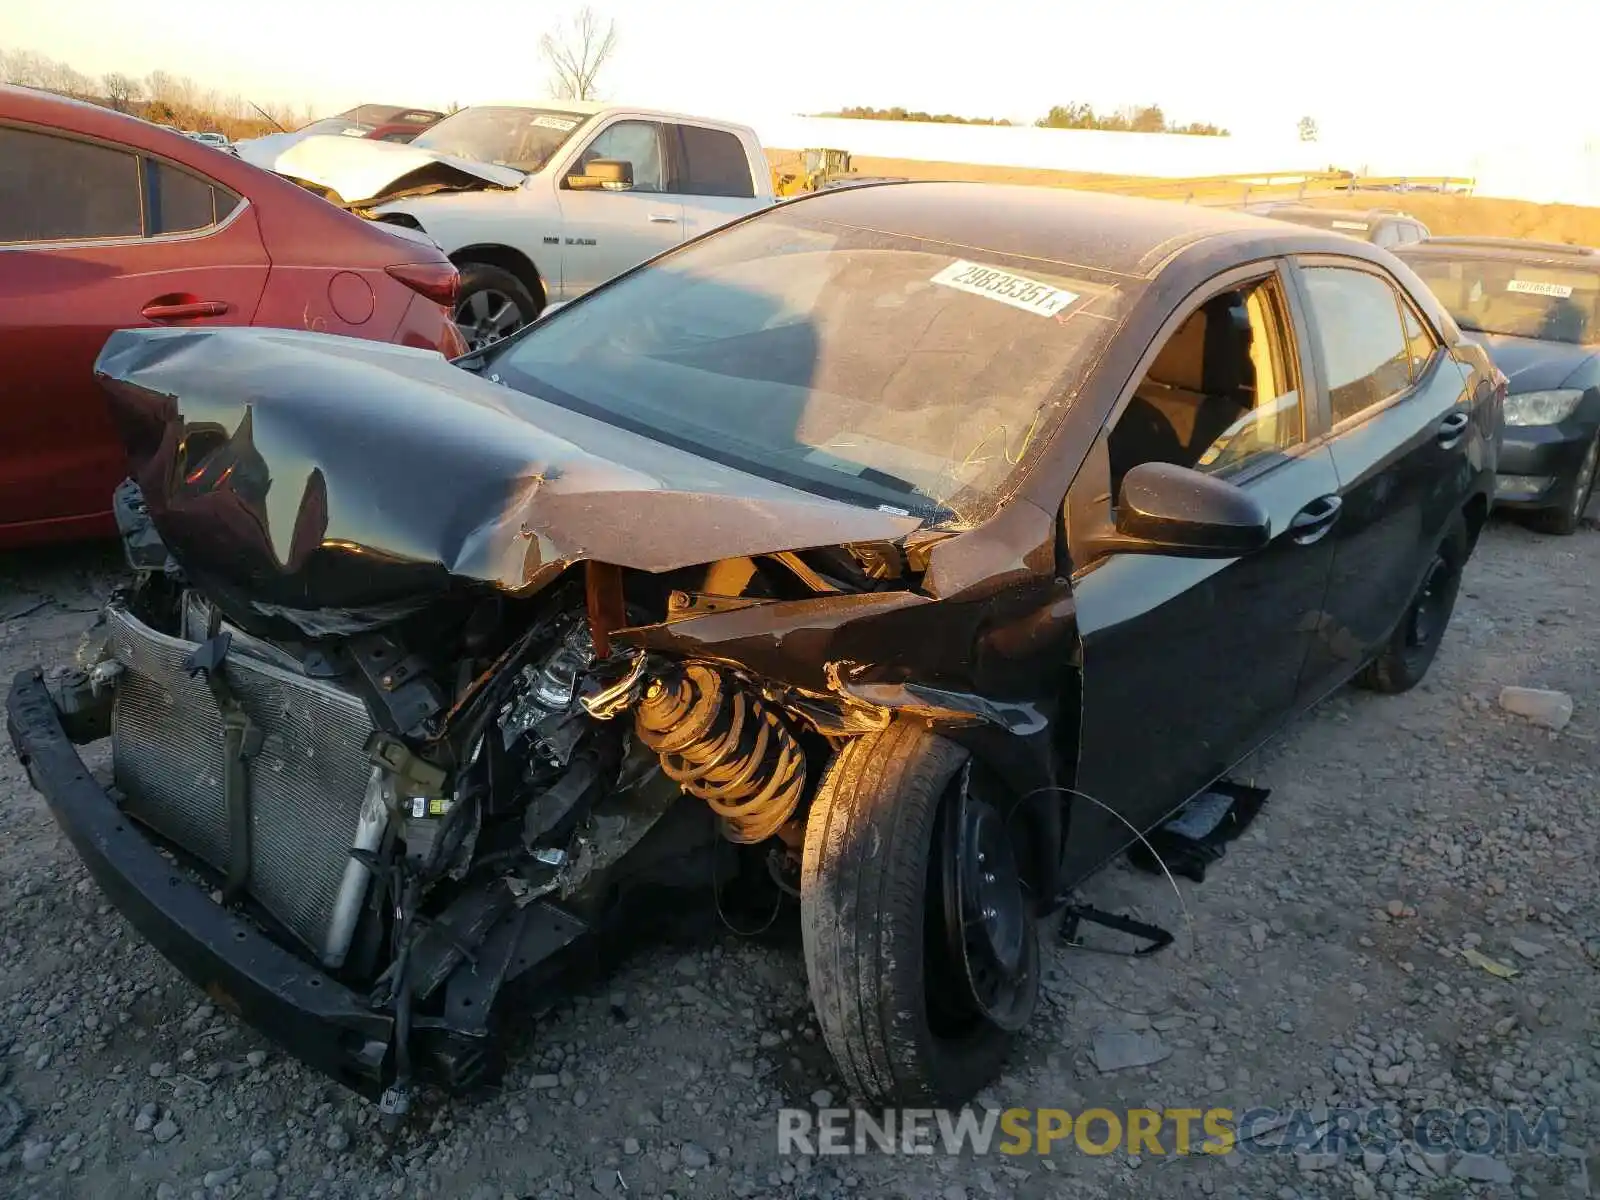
(1283, 211)
(1503, 247)
(594, 107)
(1102, 231)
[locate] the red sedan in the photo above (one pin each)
(110, 222)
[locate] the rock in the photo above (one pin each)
(160, 1070)
(263, 1160)
(36, 1156)
(1363, 1188)
(218, 1178)
(338, 1139)
(257, 1059)
(165, 1130)
(630, 1145)
(694, 1157)
(1482, 1168)
(146, 1120)
(1372, 1161)
(822, 1098)
(1120, 1049)
(1528, 949)
(1541, 706)
(1258, 935)
(544, 1083)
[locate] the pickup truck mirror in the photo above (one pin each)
(611, 174)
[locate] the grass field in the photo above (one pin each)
(1442, 214)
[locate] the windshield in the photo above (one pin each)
(1354, 224)
(334, 126)
(893, 372)
(1551, 302)
(524, 138)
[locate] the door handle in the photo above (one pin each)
(664, 218)
(186, 311)
(1452, 427)
(1311, 523)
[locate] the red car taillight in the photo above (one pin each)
(439, 282)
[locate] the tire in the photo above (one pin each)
(1564, 520)
(866, 880)
(492, 304)
(1415, 641)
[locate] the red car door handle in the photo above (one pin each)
(187, 311)
(1311, 523)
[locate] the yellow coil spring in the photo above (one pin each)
(726, 746)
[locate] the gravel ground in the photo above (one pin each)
(1324, 965)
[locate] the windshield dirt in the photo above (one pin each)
(1548, 301)
(899, 373)
(524, 138)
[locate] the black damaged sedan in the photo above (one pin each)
(1535, 306)
(832, 558)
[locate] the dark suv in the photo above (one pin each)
(1535, 306)
(1386, 227)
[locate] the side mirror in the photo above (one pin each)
(1168, 509)
(610, 174)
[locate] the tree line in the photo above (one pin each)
(1142, 118)
(160, 96)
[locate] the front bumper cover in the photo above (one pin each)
(308, 1013)
(1538, 463)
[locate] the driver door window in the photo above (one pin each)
(637, 143)
(1223, 393)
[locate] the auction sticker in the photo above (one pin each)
(1016, 290)
(1529, 287)
(564, 124)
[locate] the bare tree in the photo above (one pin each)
(121, 90)
(576, 54)
(1308, 129)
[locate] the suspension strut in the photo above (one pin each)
(727, 746)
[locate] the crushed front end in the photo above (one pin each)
(364, 789)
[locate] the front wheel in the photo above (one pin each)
(491, 304)
(1415, 642)
(894, 991)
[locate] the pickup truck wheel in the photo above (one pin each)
(896, 1008)
(492, 304)
(1415, 641)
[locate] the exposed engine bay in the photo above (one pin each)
(431, 787)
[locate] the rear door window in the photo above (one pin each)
(714, 163)
(1365, 351)
(57, 189)
(179, 202)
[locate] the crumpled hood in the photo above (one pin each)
(335, 483)
(1530, 364)
(361, 169)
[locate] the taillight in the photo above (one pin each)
(439, 282)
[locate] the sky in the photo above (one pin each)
(1410, 67)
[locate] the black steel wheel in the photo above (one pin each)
(1415, 641)
(921, 948)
